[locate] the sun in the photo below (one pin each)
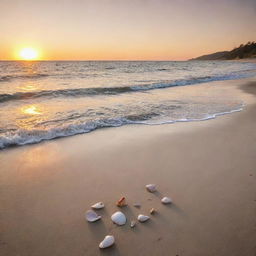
(28, 54)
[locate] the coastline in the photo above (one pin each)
(207, 168)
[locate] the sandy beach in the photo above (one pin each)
(208, 168)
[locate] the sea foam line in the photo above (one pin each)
(23, 137)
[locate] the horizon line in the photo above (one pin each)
(92, 60)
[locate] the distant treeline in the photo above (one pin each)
(242, 52)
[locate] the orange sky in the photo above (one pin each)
(124, 29)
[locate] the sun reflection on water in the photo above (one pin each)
(31, 110)
(28, 87)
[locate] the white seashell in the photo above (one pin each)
(92, 216)
(143, 218)
(98, 205)
(107, 242)
(133, 223)
(166, 200)
(151, 188)
(118, 218)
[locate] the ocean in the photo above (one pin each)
(43, 100)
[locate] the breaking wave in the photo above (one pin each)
(32, 76)
(23, 137)
(81, 92)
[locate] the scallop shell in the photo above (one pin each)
(133, 223)
(97, 206)
(143, 218)
(151, 188)
(166, 200)
(92, 216)
(107, 242)
(118, 218)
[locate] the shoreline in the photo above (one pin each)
(207, 168)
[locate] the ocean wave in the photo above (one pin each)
(79, 92)
(23, 137)
(162, 69)
(28, 76)
(93, 91)
(110, 68)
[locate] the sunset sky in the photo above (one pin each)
(124, 30)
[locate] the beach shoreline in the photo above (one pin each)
(206, 167)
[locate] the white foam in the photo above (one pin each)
(23, 137)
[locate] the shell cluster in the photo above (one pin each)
(119, 218)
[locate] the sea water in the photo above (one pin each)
(43, 100)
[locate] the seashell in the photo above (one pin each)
(151, 188)
(97, 206)
(166, 200)
(133, 223)
(143, 218)
(118, 218)
(92, 216)
(107, 242)
(152, 211)
(137, 205)
(121, 202)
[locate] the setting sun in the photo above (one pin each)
(29, 54)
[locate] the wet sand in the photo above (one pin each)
(208, 168)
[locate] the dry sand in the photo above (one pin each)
(208, 168)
